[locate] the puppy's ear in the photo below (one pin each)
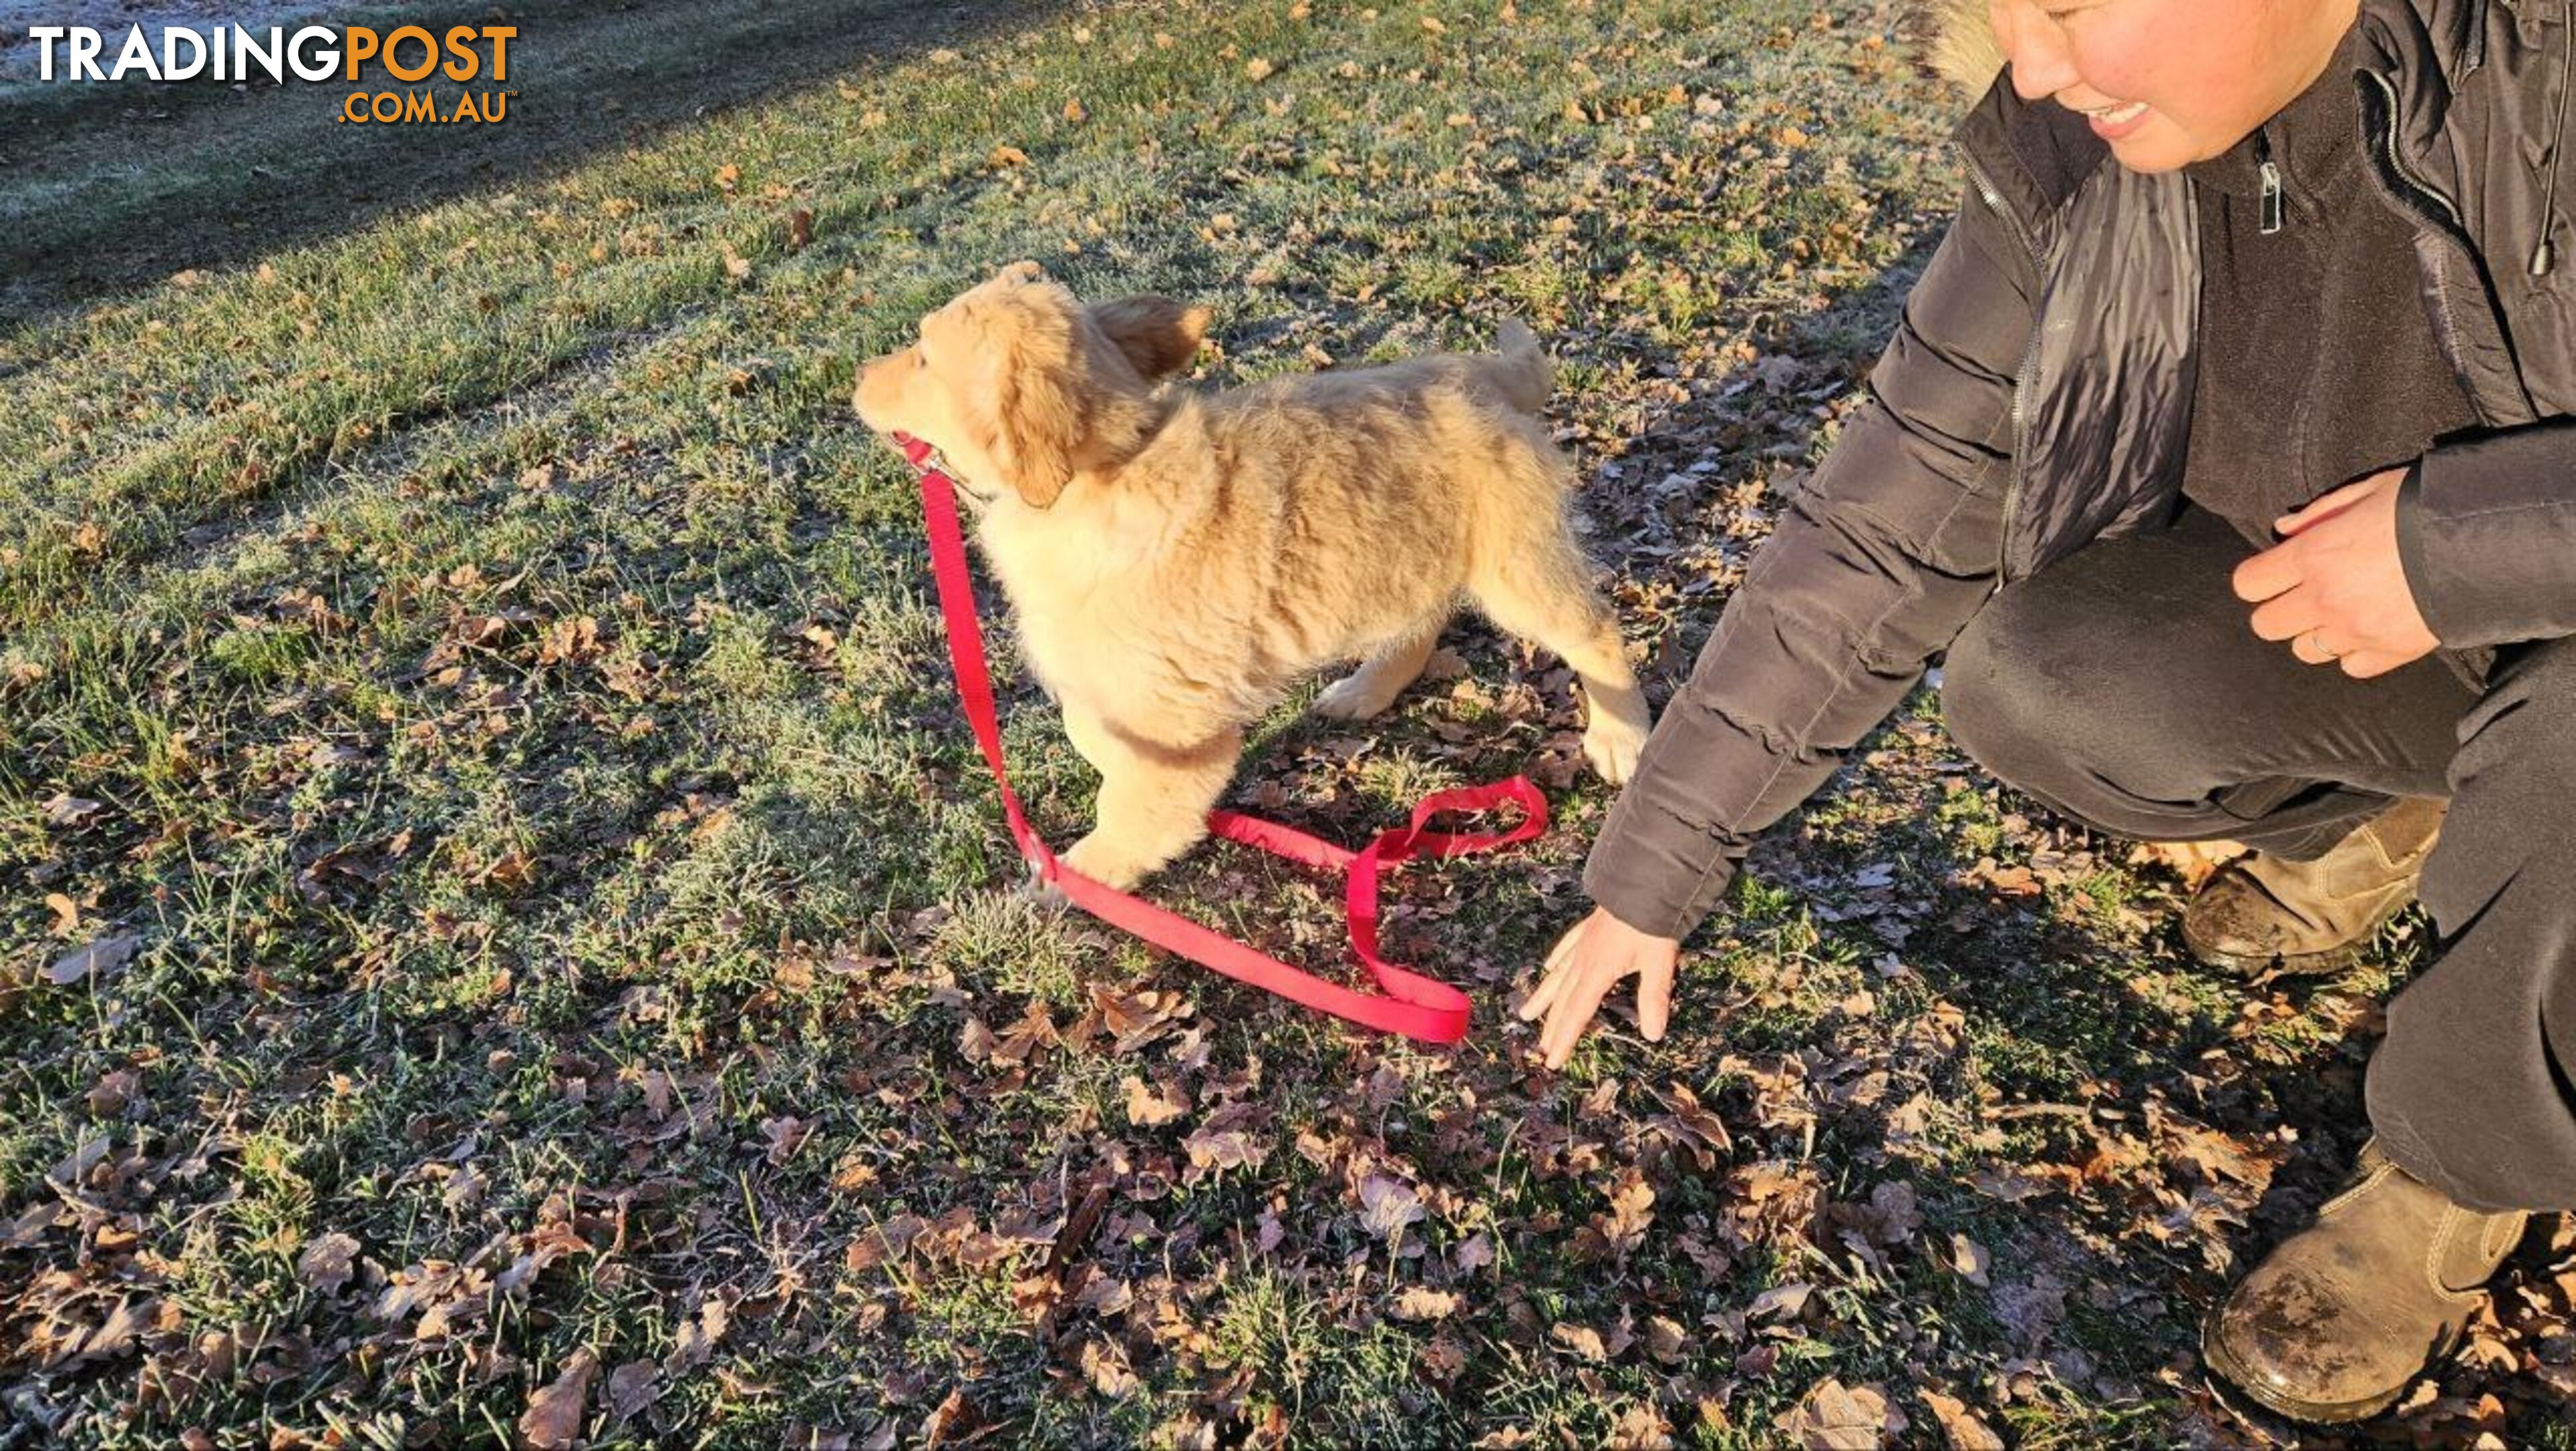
(1040, 409)
(1158, 335)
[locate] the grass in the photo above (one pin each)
(458, 638)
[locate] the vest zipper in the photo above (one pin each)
(2397, 164)
(2271, 174)
(2437, 213)
(2025, 377)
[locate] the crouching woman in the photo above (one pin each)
(2228, 448)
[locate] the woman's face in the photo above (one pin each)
(2169, 82)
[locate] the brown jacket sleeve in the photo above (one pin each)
(1874, 568)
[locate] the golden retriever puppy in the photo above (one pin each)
(1176, 562)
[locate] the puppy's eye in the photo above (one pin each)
(920, 359)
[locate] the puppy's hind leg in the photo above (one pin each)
(1153, 801)
(1543, 594)
(1381, 678)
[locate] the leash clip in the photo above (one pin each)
(924, 456)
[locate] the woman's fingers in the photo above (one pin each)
(1552, 976)
(2315, 648)
(2363, 664)
(2286, 617)
(1655, 998)
(1574, 1012)
(1541, 995)
(1565, 945)
(2267, 574)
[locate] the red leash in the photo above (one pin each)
(1408, 1003)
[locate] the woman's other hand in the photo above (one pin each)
(1585, 964)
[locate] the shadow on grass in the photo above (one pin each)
(106, 189)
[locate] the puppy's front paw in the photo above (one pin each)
(1611, 745)
(1353, 697)
(1106, 862)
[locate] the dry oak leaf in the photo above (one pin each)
(1666, 1341)
(1582, 1340)
(1421, 1302)
(1631, 1210)
(1641, 1428)
(1225, 1141)
(1387, 1205)
(1836, 1417)
(102, 959)
(327, 1262)
(1970, 1260)
(552, 1421)
(71, 812)
(1152, 1107)
(786, 1134)
(952, 1424)
(1966, 1432)
(30, 1226)
(632, 1387)
(1106, 1369)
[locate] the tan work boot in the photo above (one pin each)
(2261, 914)
(2339, 1320)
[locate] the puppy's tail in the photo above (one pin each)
(1518, 369)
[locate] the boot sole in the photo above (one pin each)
(2255, 967)
(2214, 1352)
(2259, 965)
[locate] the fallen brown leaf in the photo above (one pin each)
(1582, 1340)
(1152, 1107)
(632, 1387)
(327, 1262)
(1966, 1432)
(552, 1421)
(1420, 1302)
(1836, 1417)
(102, 959)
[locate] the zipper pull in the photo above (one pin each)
(2271, 207)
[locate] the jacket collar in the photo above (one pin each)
(2313, 143)
(2035, 154)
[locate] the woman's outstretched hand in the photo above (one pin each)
(1585, 964)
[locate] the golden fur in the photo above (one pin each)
(2193, 861)
(1963, 49)
(1178, 562)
